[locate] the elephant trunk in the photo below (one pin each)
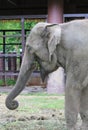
(27, 68)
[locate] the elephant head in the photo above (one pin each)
(41, 46)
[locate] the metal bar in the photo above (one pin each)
(13, 30)
(10, 55)
(11, 44)
(23, 16)
(14, 74)
(4, 57)
(75, 15)
(4, 51)
(11, 36)
(8, 74)
(23, 35)
(40, 16)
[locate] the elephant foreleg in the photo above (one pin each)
(84, 108)
(72, 101)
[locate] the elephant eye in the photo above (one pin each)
(28, 47)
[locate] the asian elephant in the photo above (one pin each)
(54, 45)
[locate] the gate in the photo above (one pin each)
(10, 61)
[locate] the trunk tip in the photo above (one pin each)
(11, 104)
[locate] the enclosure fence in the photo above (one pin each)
(10, 61)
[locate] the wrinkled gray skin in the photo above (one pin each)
(63, 45)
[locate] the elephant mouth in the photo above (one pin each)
(44, 72)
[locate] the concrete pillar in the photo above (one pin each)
(55, 83)
(55, 11)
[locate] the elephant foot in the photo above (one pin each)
(71, 128)
(84, 127)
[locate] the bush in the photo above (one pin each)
(10, 82)
(7, 82)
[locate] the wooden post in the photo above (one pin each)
(55, 11)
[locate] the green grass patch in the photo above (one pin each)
(35, 103)
(42, 94)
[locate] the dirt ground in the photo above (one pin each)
(21, 120)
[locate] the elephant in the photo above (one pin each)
(58, 45)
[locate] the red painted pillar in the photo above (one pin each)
(55, 11)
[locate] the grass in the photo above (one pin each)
(35, 103)
(35, 125)
(40, 111)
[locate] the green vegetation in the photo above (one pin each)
(1, 82)
(11, 44)
(10, 82)
(45, 112)
(16, 24)
(37, 103)
(7, 82)
(13, 41)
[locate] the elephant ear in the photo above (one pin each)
(54, 34)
